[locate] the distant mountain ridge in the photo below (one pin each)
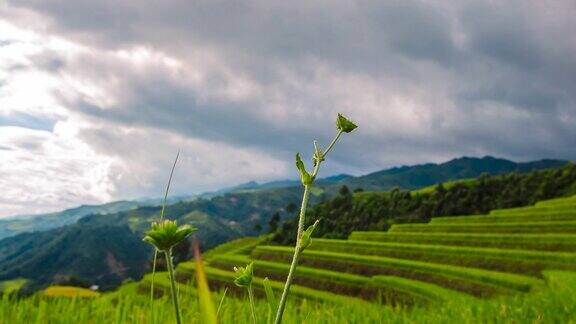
(42, 222)
(404, 177)
(418, 176)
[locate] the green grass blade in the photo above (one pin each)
(269, 294)
(221, 302)
(205, 303)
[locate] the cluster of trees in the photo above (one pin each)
(349, 212)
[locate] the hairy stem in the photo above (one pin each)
(295, 258)
(168, 255)
(252, 308)
(161, 218)
(329, 148)
(301, 222)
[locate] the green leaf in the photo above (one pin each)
(244, 275)
(344, 124)
(269, 294)
(306, 239)
(305, 177)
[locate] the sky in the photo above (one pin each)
(96, 97)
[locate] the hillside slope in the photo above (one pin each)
(379, 210)
(508, 251)
(102, 255)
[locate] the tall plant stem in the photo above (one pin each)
(301, 222)
(168, 255)
(252, 308)
(161, 218)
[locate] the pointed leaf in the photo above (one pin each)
(305, 177)
(306, 239)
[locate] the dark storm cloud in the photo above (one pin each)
(471, 78)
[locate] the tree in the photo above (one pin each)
(257, 227)
(291, 208)
(273, 222)
(344, 191)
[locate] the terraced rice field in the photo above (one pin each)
(451, 258)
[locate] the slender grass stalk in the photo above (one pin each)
(252, 308)
(170, 266)
(164, 201)
(221, 302)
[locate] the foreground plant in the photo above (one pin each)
(303, 237)
(164, 235)
(243, 279)
(164, 202)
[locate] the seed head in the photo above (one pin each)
(166, 234)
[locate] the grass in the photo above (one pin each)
(238, 246)
(389, 289)
(505, 228)
(9, 286)
(520, 261)
(539, 242)
(219, 278)
(481, 281)
(68, 291)
(554, 304)
(531, 216)
(433, 293)
(332, 281)
(535, 209)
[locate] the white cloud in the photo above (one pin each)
(240, 87)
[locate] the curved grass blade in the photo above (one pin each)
(205, 302)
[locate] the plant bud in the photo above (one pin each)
(244, 276)
(344, 124)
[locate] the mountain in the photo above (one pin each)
(418, 176)
(277, 184)
(42, 222)
(47, 256)
(103, 255)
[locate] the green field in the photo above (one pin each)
(511, 266)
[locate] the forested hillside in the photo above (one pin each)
(379, 210)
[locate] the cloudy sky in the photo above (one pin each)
(96, 97)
